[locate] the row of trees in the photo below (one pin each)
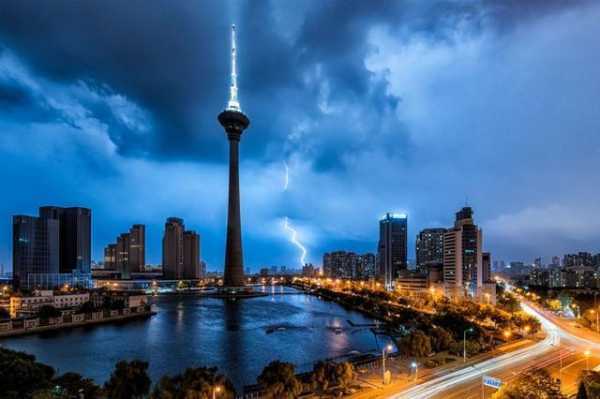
(422, 332)
(22, 377)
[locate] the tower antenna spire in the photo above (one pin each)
(233, 104)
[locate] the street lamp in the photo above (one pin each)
(587, 354)
(527, 328)
(507, 334)
(415, 366)
(465, 343)
(386, 349)
(216, 390)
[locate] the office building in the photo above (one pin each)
(75, 237)
(392, 247)
(35, 247)
(53, 248)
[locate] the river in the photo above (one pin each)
(239, 337)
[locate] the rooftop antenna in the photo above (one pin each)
(233, 104)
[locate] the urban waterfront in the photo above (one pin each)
(240, 337)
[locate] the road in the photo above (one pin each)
(563, 346)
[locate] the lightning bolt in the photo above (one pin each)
(294, 239)
(286, 224)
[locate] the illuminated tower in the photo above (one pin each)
(234, 122)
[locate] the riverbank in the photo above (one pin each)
(30, 326)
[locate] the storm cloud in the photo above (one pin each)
(407, 106)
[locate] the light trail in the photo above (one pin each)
(555, 335)
(286, 223)
(450, 380)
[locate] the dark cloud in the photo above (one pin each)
(104, 89)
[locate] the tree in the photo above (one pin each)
(328, 374)
(536, 384)
(278, 380)
(48, 311)
(194, 383)
(415, 344)
(72, 384)
(441, 339)
(589, 386)
(87, 307)
(21, 376)
(129, 380)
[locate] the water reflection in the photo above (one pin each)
(240, 337)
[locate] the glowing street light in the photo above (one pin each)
(587, 354)
(507, 334)
(470, 330)
(216, 390)
(415, 366)
(387, 349)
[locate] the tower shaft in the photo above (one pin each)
(234, 261)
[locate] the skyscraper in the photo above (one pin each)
(75, 237)
(462, 253)
(430, 247)
(392, 247)
(234, 121)
(486, 267)
(181, 251)
(191, 255)
(129, 253)
(53, 248)
(172, 263)
(36, 247)
(137, 248)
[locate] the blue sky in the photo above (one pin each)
(397, 106)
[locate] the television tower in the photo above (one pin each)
(234, 122)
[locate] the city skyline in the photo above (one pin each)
(134, 137)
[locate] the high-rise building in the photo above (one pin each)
(110, 257)
(36, 247)
(75, 237)
(191, 255)
(137, 248)
(578, 259)
(486, 267)
(462, 253)
(430, 248)
(392, 247)
(366, 266)
(172, 263)
(340, 264)
(555, 261)
(181, 251)
(128, 254)
(53, 248)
